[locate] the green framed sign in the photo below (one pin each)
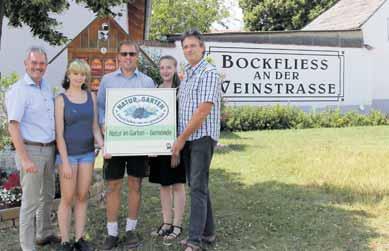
(140, 121)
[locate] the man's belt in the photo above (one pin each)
(32, 143)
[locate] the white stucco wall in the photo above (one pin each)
(366, 82)
(16, 41)
(357, 92)
(365, 70)
(376, 35)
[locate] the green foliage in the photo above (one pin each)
(276, 15)
(102, 7)
(149, 68)
(5, 139)
(314, 190)
(38, 15)
(34, 14)
(169, 16)
(247, 118)
(5, 83)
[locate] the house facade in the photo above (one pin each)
(132, 20)
(337, 61)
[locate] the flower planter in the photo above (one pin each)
(9, 217)
(8, 180)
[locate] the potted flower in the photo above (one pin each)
(10, 190)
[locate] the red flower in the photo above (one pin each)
(13, 181)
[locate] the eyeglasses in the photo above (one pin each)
(125, 54)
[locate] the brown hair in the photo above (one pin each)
(130, 43)
(176, 79)
(194, 33)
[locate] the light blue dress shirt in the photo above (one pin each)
(116, 79)
(33, 107)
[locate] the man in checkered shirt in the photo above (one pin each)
(199, 129)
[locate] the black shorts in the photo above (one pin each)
(137, 166)
(161, 172)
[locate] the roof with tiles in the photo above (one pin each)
(346, 15)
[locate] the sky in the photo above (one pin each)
(235, 20)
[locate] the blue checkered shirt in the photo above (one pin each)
(201, 84)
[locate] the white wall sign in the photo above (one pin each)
(279, 75)
(140, 121)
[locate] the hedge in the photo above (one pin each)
(247, 118)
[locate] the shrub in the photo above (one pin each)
(246, 118)
(5, 83)
(150, 68)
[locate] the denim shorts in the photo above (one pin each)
(86, 158)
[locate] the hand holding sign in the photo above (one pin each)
(140, 121)
(177, 147)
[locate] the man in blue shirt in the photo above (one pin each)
(199, 129)
(127, 76)
(30, 110)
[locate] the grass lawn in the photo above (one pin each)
(313, 189)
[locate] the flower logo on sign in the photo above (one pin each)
(140, 110)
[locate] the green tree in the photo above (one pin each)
(37, 14)
(275, 15)
(175, 16)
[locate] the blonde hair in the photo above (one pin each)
(78, 66)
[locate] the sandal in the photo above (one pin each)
(172, 236)
(176, 231)
(191, 247)
(163, 231)
(183, 242)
